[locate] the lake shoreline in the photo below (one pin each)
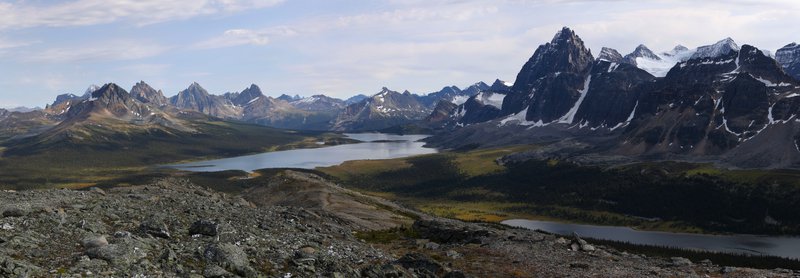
(742, 244)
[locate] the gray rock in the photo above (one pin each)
(580, 244)
(421, 263)
(204, 227)
(678, 261)
(13, 268)
(453, 254)
(383, 271)
(215, 271)
(432, 246)
(230, 257)
(155, 228)
(14, 211)
(94, 242)
(727, 269)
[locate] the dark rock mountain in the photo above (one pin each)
(610, 55)
(319, 103)
(612, 95)
(384, 109)
(355, 99)
(441, 113)
(247, 96)
(196, 98)
(725, 104)
(144, 93)
(446, 93)
(476, 88)
(708, 106)
(552, 81)
(789, 57)
(723, 47)
(111, 100)
(288, 98)
(641, 51)
(479, 108)
(500, 86)
(65, 98)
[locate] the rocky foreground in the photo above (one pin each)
(172, 228)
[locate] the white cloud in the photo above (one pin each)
(236, 37)
(100, 51)
(24, 14)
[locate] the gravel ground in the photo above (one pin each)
(174, 229)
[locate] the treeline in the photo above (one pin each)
(710, 202)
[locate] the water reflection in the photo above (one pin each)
(788, 247)
(375, 146)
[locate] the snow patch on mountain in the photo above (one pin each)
(567, 119)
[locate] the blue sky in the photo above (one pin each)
(338, 47)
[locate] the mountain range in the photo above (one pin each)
(719, 102)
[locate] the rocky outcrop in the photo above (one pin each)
(196, 98)
(789, 58)
(146, 94)
(610, 55)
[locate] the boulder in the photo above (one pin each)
(204, 227)
(155, 228)
(229, 257)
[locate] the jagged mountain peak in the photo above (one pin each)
(500, 86)
(90, 90)
(680, 48)
(609, 54)
(146, 94)
(481, 85)
(566, 53)
(720, 48)
(110, 89)
(247, 96)
(195, 86)
(564, 35)
(385, 91)
(642, 51)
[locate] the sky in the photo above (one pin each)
(339, 47)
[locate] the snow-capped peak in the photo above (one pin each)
(657, 64)
(677, 50)
(720, 48)
(609, 55)
(91, 90)
(642, 51)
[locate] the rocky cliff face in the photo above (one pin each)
(198, 99)
(789, 58)
(552, 81)
(146, 94)
(610, 55)
(708, 106)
